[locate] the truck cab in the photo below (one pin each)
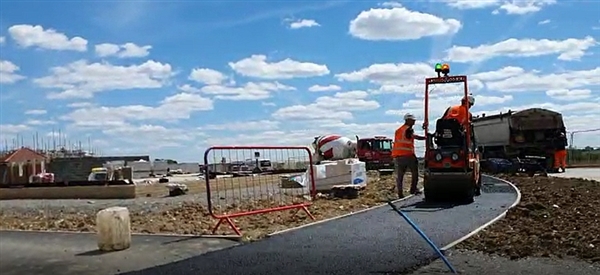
(376, 152)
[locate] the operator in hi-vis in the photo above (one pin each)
(560, 151)
(404, 156)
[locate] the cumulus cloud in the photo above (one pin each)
(257, 66)
(399, 23)
(126, 50)
(303, 23)
(36, 36)
(81, 79)
(8, 72)
(568, 49)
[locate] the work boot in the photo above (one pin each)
(415, 192)
(400, 195)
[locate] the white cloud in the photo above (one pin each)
(304, 23)
(520, 7)
(471, 4)
(2, 40)
(399, 23)
(390, 73)
(249, 91)
(328, 88)
(122, 51)
(257, 66)
(260, 125)
(510, 6)
(36, 112)
(207, 76)
(391, 4)
(80, 105)
(569, 95)
(35, 36)
(175, 107)
(81, 79)
(156, 136)
(402, 78)
(544, 22)
(270, 104)
(568, 49)
(8, 72)
(336, 108)
(502, 73)
(535, 81)
(7, 129)
(37, 122)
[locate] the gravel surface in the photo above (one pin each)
(476, 263)
(376, 241)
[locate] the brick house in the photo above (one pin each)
(18, 166)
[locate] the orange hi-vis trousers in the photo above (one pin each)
(560, 159)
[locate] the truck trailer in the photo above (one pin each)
(527, 134)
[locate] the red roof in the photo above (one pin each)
(22, 155)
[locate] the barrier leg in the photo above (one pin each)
(416, 228)
(231, 224)
(308, 212)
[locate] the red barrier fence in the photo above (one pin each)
(252, 180)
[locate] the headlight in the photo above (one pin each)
(438, 157)
(454, 156)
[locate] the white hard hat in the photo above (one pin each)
(471, 99)
(409, 116)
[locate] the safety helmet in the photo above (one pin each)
(409, 116)
(470, 99)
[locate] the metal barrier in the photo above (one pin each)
(252, 180)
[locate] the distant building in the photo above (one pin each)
(17, 167)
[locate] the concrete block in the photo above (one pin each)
(113, 227)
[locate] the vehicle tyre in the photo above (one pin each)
(478, 185)
(469, 196)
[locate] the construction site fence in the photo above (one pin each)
(583, 157)
(254, 180)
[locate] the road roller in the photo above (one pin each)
(451, 162)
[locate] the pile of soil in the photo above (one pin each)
(194, 218)
(557, 217)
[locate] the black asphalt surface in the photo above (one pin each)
(373, 242)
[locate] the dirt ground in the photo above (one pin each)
(193, 217)
(557, 217)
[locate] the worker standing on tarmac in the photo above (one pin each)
(560, 151)
(404, 156)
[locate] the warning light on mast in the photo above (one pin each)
(442, 69)
(445, 69)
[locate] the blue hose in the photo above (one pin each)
(416, 228)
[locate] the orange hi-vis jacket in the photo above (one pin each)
(459, 113)
(403, 146)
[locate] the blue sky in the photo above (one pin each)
(171, 78)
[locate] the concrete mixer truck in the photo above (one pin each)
(333, 147)
(374, 151)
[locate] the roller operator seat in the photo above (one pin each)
(449, 133)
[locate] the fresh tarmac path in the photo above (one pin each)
(378, 241)
(373, 242)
